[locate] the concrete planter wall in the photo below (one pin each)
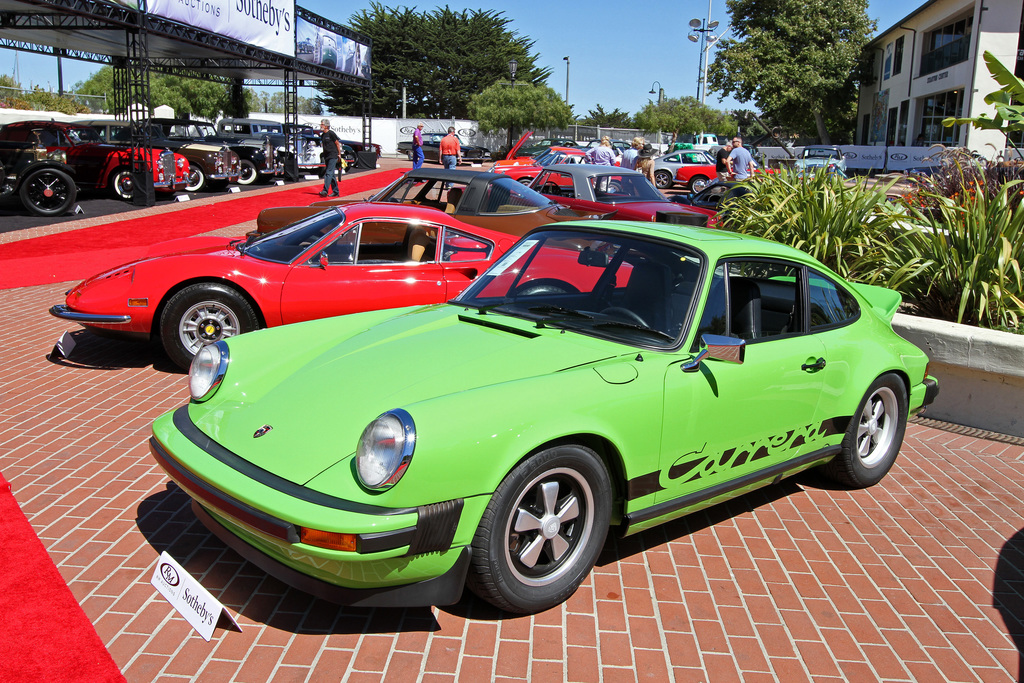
(980, 373)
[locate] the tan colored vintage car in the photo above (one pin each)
(488, 200)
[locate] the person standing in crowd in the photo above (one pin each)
(417, 147)
(645, 162)
(450, 149)
(629, 157)
(740, 161)
(603, 154)
(722, 163)
(331, 145)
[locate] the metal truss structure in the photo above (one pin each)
(136, 43)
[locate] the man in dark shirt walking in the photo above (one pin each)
(332, 152)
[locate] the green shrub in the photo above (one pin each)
(966, 253)
(837, 222)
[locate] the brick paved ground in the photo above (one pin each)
(919, 578)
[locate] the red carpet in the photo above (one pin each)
(75, 255)
(44, 634)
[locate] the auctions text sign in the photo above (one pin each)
(269, 24)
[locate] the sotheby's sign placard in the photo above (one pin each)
(192, 601)
(269, 24)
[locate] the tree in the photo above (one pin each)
(442, 57)
(202, 98)
(684, 115)
(607, 119)
(502, 106)
(796, 59)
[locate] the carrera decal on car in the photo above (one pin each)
(695, 465)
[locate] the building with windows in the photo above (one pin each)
(929, 66)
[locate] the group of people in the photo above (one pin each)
(639, 156)
(450, 149)
(733, 161)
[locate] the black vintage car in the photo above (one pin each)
(216, 170)
(432, 147)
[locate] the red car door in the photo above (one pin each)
(374, 264)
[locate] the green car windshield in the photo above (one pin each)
(607, 285)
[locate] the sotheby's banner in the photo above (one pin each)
(269, 24)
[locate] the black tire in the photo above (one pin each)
(247, 173)
(196, 178)
(121, 183)
(48, 192)
(663, 179)
(698, 183)
(874, 435)
(202, 314)
(561, 493)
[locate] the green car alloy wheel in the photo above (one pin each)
(600, 377)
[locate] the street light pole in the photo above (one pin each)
(512, 66)
(566, 79)
(699, 30)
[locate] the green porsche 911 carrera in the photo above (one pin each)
(600, 377)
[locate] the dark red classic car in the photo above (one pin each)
(620, 194)
(344, 259)
(47, 162)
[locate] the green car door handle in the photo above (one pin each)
(815, 366)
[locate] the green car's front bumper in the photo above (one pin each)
(402, 556)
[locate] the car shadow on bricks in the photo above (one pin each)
(1008, 593)
(166, 520)
(94, 352)
(618, 548)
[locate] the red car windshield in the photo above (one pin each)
(288, 243)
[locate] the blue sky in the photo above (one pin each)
(614, 59)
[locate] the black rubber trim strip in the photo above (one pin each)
(498, 326)
(197, 488)
(697, 497)
(184, 424)
(931, 391)
(441, 590)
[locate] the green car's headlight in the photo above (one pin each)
(207, 370)
(385, 449)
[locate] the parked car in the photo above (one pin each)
(46, 162)
(821, 156)
(600, 378)
(544, 144)
(526, 172)
(432, 146)
(488, 200)
(695, 177)
(712, 197)
(195, 291)
(213, 165)
(665, 168)
(619, 146)
(620, 193)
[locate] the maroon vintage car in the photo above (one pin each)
(619, 193)
(49, 161)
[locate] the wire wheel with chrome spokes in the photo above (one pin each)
(202, 314)
(542, 530)
(874, 435)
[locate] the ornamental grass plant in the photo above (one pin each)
(953, 250)
(966, 252)
(834, 220)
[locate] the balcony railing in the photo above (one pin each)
(947, 55)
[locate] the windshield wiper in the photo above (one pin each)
(634, 326)
(559, 309)
(242, 245)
